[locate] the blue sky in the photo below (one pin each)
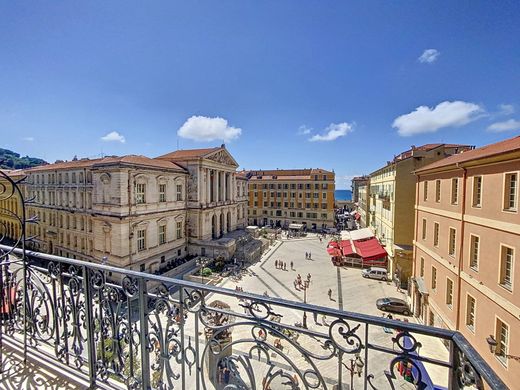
(335, 85)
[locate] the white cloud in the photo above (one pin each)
(428, 120)
(333, 132)
(508, 125)
(429, 55)
(114, 136)
(304, 130)
(202, 128)
(28, 139)
(506, 109)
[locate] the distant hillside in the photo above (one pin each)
(12, 160)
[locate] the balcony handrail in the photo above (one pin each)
(477, 362)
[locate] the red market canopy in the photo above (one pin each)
(370, 249)
(333, 244)
(346, 248)
(334, 252)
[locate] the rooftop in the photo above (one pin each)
(109, 160)
(285, 174)
(186, 154)
(502, 147)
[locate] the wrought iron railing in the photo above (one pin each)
(147, 331)
(117, 328)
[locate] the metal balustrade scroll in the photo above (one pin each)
(117, 328)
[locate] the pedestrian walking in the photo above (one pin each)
(324, 319)
(309, 276)
(330, 294)
(315, 315)
(306, 255)
(310, 256)
(292, 265)
(285, 266)
(276, 263)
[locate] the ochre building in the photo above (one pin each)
(284, 196)
(392, 200)
(466, 251)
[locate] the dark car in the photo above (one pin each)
(395, 305)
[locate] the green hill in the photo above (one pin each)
(12, 160)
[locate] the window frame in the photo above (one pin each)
(449, 282)
(502, 359)
(433, 278)
(509, 287)
(438, 191)
(139, 239)
(140, 197)
(424, 228)
(162, 234)
(506, 192)
(452, 251)
(474, 204)
(436, 233)
(455, 190)
(471, 328)
(162, 194)
(471, 250)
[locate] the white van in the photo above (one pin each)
(375, 273)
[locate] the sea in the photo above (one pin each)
(343, 194)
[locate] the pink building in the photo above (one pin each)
(466, 251)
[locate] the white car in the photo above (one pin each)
(375, 273)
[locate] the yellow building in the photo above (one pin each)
(10, 207)
(392, 202)
(284, 196)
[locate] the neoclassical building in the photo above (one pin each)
(217, 198)
(137, 212)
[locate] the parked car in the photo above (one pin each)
(395, 305)
(375, 273)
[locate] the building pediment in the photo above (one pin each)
(222, 156)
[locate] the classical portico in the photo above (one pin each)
(217, 200)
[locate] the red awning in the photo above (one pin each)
(346, 248)
(333, 244)
(370, 249)
(334, 252)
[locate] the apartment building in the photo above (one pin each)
(363, 203)
(284, 196)
(467, 241)
(136, 212)
(357, 182)
(392, 200)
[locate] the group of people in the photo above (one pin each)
(239, 289)
(308, 255)
(282, 265)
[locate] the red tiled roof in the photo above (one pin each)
(508, 145)
(89, 163)
(189, 153)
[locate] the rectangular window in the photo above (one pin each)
(162, 234)
(449, 292)
(454, 191)
(422, 267)
(502, 338)
(162, 192)
(474, 252)
(510, 191)
(179, 230)
(470, 312)
(140, 190)
(425, 191)
(452, 242)
(179, 191)
(424, 229)
(141, 240)
(434, 278)
(324, 195)
(506, 266)
(477, 191)
(437, 191)
(436, 234)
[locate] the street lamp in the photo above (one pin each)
(356, 368)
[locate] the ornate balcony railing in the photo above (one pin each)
(148, 331)
(115, 328)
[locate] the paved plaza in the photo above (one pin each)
(350, 292)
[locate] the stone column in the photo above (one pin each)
(226, 184)
(208, 186)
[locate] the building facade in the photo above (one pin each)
(392, 200)
(467, 241)
(137, 212)
(284, 196)
(363, 204)
(217, 199)
(357, 182)
(126, 211)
